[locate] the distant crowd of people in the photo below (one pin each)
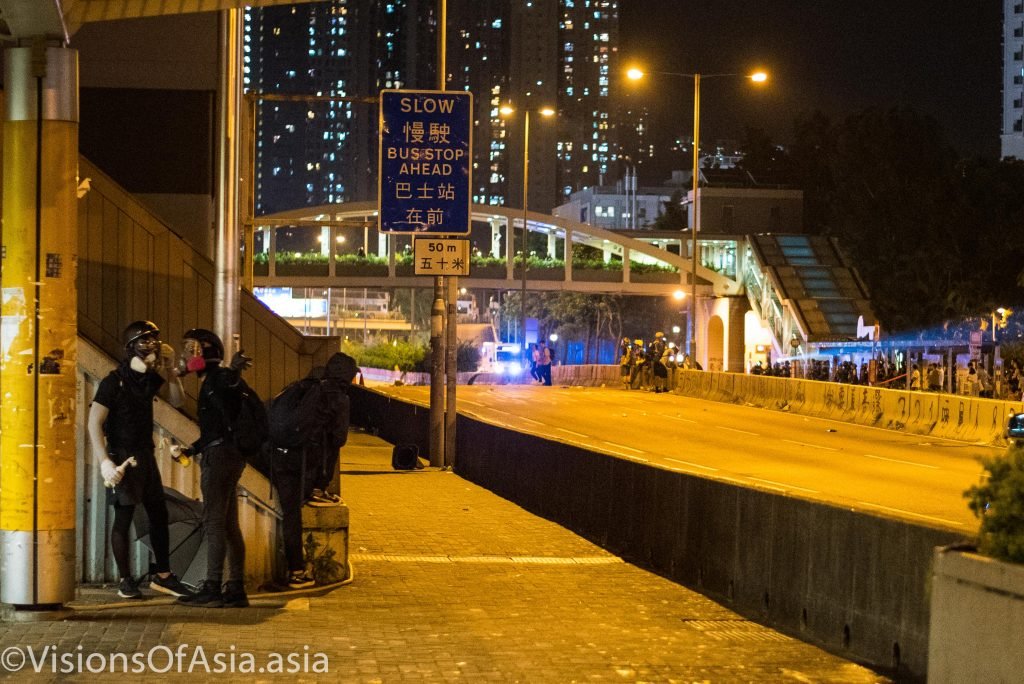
(647, 367)
(884, 372)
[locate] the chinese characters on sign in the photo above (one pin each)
(425, 161)
(441, 257)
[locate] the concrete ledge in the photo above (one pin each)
(977, 618)
(328, 526)
(325, 518)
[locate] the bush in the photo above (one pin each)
(999, 504)
(385, 355)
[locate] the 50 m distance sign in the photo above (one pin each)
(426, 153)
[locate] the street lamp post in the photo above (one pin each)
(758, 77)
(546, 112)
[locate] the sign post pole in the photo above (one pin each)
(425, 182)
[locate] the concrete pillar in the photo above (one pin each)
(568, 254)
(606, 251)
(39, 327)
(552, 245)
(625, 265)
(227, 285)
(735, 334)
(267, 232)
(325, 240)
(382, 245)
(495, 238)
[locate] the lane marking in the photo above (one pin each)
(786, 485)
(528, 420)
(813, 446)
(910, 513)
(578, 434)
(685, 420)
(623, 446)
(896, 460)
(743, 432)
(691, 464)
(773, 488)
(471, 403)
(524, 560)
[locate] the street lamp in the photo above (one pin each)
(508, 110)
(636, 74)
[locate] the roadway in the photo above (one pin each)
(889, 473)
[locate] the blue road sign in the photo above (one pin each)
(426, 156)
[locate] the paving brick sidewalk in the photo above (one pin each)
(453, 583)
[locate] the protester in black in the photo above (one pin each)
(222, 465)
(336, 407)
(121, 428)
(309, 423)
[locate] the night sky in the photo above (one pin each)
(939, 57)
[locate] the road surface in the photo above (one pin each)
(915, 478)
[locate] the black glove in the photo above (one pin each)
(240, 361)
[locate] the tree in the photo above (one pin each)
(934, 237)
(673, 218)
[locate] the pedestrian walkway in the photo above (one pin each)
(452, 583)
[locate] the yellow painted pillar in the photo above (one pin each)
(38, 330)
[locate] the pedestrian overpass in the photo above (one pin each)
(759, 297)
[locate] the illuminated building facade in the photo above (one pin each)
(531, 53)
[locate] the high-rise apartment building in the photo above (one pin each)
(1013, 79)
(312, 153)
(530, 53)
(588, 47)
(533, 54)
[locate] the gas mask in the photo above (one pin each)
(192, 356)
(145, 353)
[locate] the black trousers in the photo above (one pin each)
(222, 467)
(289, 489)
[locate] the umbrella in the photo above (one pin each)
(187, 536)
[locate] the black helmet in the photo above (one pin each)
(137, 330)
(213, 348)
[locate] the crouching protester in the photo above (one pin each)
(120, 426)
(309, 421)
(221, 462)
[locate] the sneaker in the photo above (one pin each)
(129, 588)
(298, 579)
(208, 596)
(168, 585)
(320, 499)
(233, 595)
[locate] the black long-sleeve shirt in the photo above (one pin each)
(219, 401)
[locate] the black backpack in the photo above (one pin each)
(406, 457)
(295, 414)
(250, 428)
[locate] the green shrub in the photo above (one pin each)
(356, 260)
(301, 258)
(385, 355)
(485, 260)
(999, 503)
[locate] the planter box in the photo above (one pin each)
(261, 269)
(541, 274)
(654, 277)
(360, 270)
(301, 269)
(592, 275)
(977, 619)
(404, 270)
(493, 272)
